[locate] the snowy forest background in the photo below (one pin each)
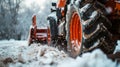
(16, 15)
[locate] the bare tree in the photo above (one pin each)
(8, 18)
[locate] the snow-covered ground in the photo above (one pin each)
(18, 54)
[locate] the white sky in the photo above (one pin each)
(39, 2)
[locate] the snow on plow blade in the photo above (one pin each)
(38, 35)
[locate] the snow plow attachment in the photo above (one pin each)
(38, 35)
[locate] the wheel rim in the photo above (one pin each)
(75, 32)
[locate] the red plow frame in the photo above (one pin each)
(41, 35)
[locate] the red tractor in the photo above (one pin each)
(84, 25)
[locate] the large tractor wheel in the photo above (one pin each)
(87, 29)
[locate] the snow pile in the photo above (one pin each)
(95, 59)
(18, 54)
(39, 56)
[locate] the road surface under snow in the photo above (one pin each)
(18, 54)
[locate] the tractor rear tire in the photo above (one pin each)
(95, 33)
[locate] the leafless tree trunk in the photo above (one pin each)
(8, 18)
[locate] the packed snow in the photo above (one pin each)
(18, 54)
